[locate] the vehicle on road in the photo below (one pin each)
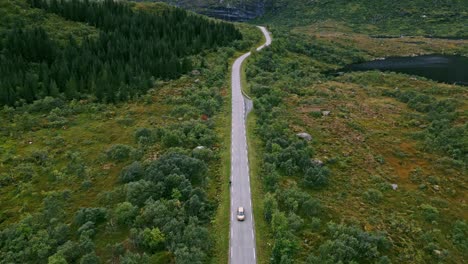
(240, 214)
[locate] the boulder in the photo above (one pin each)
(326, 113)
(394, 186)
(317, 162)
(304, 136)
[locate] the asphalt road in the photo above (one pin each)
(242, 234)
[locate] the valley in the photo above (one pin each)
(117, 143)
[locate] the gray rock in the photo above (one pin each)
(326, 113)
(394, 186)
(317, 162)
(304, 136)
(436, 187)
(200, 147)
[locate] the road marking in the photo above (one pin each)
(253, 251)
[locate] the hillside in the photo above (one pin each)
(232, 10)
(444, 18)
(84, 179)
(383, 178)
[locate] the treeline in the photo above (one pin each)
(132, 49)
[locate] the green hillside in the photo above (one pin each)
(85, 179)
(378, 17)
(383, 179)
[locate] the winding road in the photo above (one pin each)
(242, 234)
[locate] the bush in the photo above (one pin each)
(460, 234)
(349, 244)
(125, 213)
(150, 239)
(140, 191)
(132, 172)
(144, 135)
(311, 207)
(315, 223)
(90, 258)
(87, 229)
(175, 163)
(373, 196)
(429, 212)
(96, 215)
(295, 222)
(204, 154)
(119, 152)
(316, 177)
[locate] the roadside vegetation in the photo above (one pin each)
(137, 181)
(383, 177)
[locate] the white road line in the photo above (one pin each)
(254, 252)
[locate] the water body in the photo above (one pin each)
(442, 68)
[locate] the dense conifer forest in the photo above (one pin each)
(133, 49)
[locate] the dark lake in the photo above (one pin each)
(442, 68)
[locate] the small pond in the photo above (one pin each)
(441, 68)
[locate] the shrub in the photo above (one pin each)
(144, 135)
(46, 104)
(460, 234)
(311, 207)
(204, 154)
(132, 172)
(295, 222)
(175, 163)
(95, 215)
(315, 223)
(56, 119)
(373, 196)
(90, 258)
(429, 212)
(349, 244)
(125, 213)
(150, 239)
(316, 177)
(87, 229)
(119, 152)
(140, 191)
